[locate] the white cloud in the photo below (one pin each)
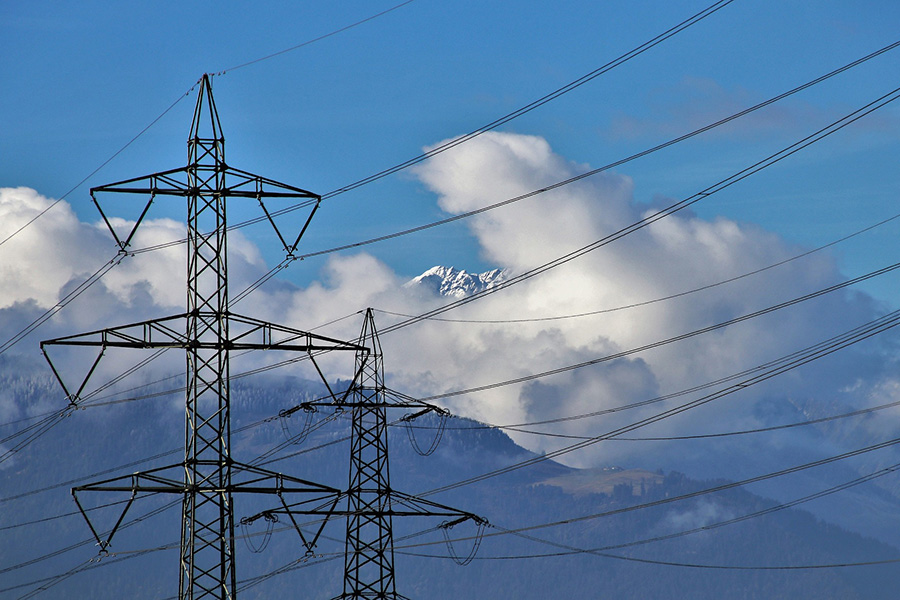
(676, 254)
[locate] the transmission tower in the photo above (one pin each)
(371, 502)
(207, 332)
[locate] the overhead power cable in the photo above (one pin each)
(48, 314)
(706, 491)
(97, 170)
(519, 427)
(608, 513)
(415, 160)
(667, 341)
(770, 160)
(315, 39)
(533, 193)
(571, 367)
(708, 527)
(286, 262)
(699, 436)
(800, 360)
(573, 549)
(187, 93)
(694, 19)
(772, 364)
(488, 127)
(794, 469)
(656, 300)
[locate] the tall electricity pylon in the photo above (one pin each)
(371, 501)
(207, 332)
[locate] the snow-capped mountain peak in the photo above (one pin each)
(457, 283)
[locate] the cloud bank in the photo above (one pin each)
(679, 253)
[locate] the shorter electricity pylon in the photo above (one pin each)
(371, 502)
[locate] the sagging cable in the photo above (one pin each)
(436, 440)
(270, 520)
(284, 415)
(446, 526)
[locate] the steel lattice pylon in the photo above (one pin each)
(371, 502)
(369, 549)
(208, 332)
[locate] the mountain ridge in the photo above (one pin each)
(100, 439)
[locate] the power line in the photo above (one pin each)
(75, 293)
(286, 262)
(656, 300)
(187, 93)
(718, 488)
(781, 364)
(667, 341)
(801, 363)
(521, 429)
(595, 73)
(833, 127)
(542, 190)
(770, 160)
(316, 39)
(800, 360)
(573, 549)
(97, 170)
(571, 367)
(745, 517)
(488, 127)
(262, 458)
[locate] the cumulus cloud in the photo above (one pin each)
(53, 256)
(679, 253)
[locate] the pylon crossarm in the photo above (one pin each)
(283, 189)
(153, 333)
(322, 509)
(103, 543)
(281, 337)
(123, 244)
(260, 481)
(72, 398)
(170, 185)
(284, 484)
(421, 506)
(169, 332)
(410, 506)
(243, 185)
(407, 401)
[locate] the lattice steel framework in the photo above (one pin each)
(371, 502)
(208, 332)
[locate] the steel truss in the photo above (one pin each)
(207, 332)
(371, 502)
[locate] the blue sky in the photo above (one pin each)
(81, 79)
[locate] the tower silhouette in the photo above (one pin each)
(208, 332)
(372, 503)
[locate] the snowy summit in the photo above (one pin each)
(449, 281)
